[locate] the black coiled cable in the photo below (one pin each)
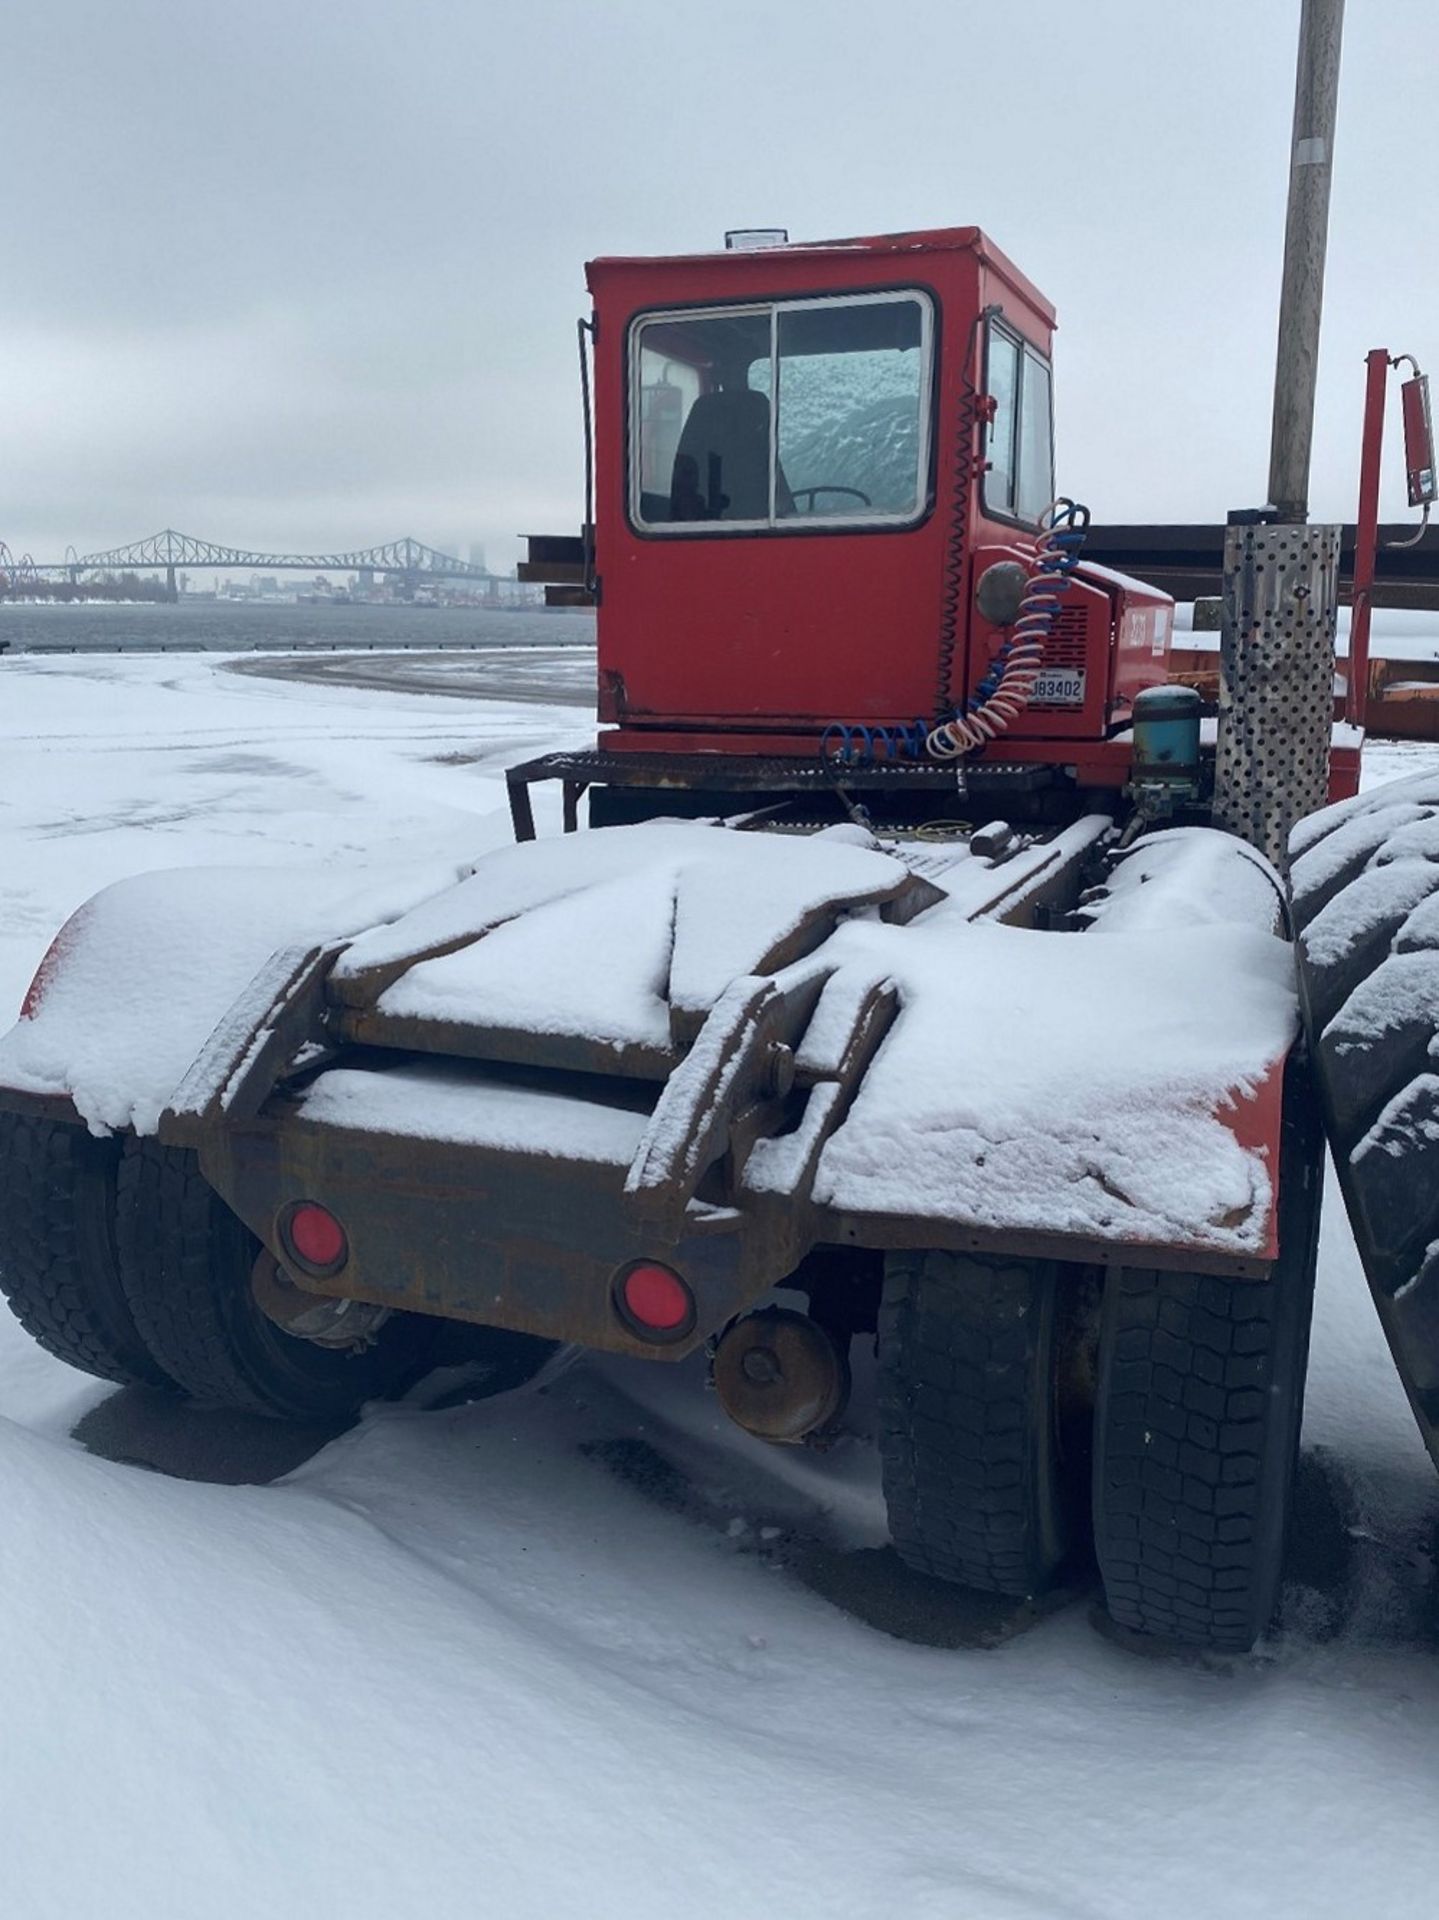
(956, 554)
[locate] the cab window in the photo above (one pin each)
(781, 415)
(1019, 479)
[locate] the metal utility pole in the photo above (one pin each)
(1306, 232)
(1281, 576)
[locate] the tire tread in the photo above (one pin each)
(1369, 961)
(1181, 1521)
(57, 1252)
(959, 1342)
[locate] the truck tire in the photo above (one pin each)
(1366, 903)
(984, 1469)
(1201, 1394)
(57, 1249)
(185, 1263)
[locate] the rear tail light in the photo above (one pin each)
(313, 1238)
(653, 1301)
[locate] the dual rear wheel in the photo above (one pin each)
(1031, 1416)
(1036, 1417)
(120, 1258)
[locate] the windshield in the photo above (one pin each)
(780, 414)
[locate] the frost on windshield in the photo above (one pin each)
(849, 430)
(782, 413)
(852, 423)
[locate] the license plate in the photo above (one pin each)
(1059, 687)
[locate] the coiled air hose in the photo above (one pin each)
(1008, 687)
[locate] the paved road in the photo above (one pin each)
(551, 676)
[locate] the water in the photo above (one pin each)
(237, 626)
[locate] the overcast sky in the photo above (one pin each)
(303, 273)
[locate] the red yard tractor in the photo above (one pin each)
(909, 994)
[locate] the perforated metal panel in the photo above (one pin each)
(1276, 684)
(1068, 643)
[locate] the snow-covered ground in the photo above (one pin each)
(583, 1649)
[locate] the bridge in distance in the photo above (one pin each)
(409, 561)
(1182, 560)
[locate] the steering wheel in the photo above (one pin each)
(808, 493)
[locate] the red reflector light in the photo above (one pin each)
(655, 1300)
(316, 1237)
